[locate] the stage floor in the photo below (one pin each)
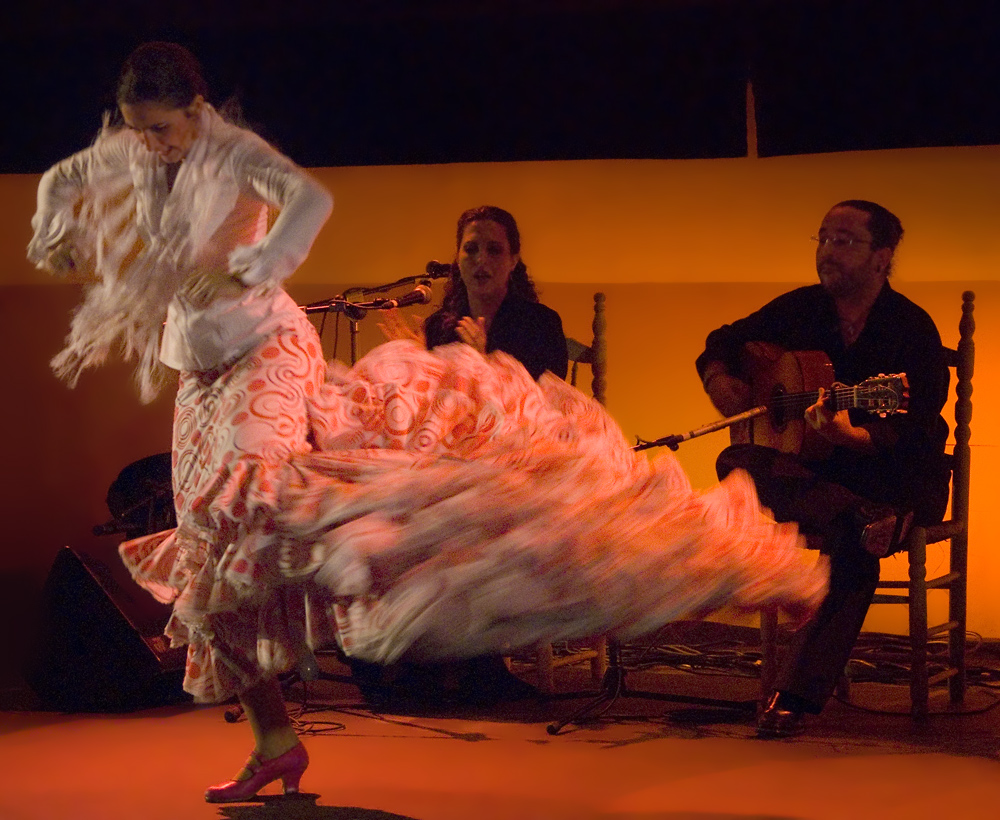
(642, 759)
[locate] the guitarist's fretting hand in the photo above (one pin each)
(836, 427)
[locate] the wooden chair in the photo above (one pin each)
(913, 592)
(595, 650)
(595, 354)
(955, 530)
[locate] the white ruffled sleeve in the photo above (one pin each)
(304, 205)
(61, 189)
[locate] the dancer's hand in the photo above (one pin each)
(394, 327)
(473, 332)
(206, 285)
(62, 258)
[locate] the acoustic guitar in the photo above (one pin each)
(783, 384)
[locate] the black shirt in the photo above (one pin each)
(907, 468)
(529, 331)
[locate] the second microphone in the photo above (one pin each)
(420, 295)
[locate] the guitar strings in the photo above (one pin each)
(886, 399)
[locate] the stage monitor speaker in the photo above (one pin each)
(101, 646)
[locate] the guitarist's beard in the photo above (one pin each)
(840, 282)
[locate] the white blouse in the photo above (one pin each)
(139, 241)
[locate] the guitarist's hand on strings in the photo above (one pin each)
(835, 426)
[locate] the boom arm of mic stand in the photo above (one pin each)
(675, 440)
(355, 311)
(406, 280)
(334, 305)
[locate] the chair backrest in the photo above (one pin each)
(595, 354)
(913, 592)
(963, 359)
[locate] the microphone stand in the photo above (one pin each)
(356, 311)
(678, 438)
(614, 684)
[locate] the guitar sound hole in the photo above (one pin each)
(777, 411)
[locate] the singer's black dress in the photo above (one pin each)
(529, 331)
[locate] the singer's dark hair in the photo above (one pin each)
(164, 73)
(456, 297)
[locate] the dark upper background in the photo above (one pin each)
(359, 82)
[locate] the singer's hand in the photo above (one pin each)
(396, 327)
(204, 286)
(473, 332)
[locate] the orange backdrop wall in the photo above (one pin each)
(679, 247)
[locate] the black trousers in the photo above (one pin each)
(798, 491)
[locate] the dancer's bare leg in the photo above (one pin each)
(278, 754)
(264, 706)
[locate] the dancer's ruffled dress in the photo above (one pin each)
(432, 505)
(422, 505)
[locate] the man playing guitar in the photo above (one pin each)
(880, 473)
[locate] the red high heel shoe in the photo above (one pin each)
(289, 767)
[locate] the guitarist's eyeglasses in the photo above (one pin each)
(839, 242)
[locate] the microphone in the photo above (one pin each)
(420, 295)
(439, 270)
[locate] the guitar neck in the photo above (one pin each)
(840, 398)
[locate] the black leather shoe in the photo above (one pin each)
(778, 720)
(883, 530)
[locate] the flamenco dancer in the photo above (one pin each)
(168, 215)
(423, 505)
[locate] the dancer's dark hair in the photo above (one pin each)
(164, 73)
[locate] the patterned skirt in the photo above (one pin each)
(427, 506)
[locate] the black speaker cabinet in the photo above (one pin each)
(100, 644)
